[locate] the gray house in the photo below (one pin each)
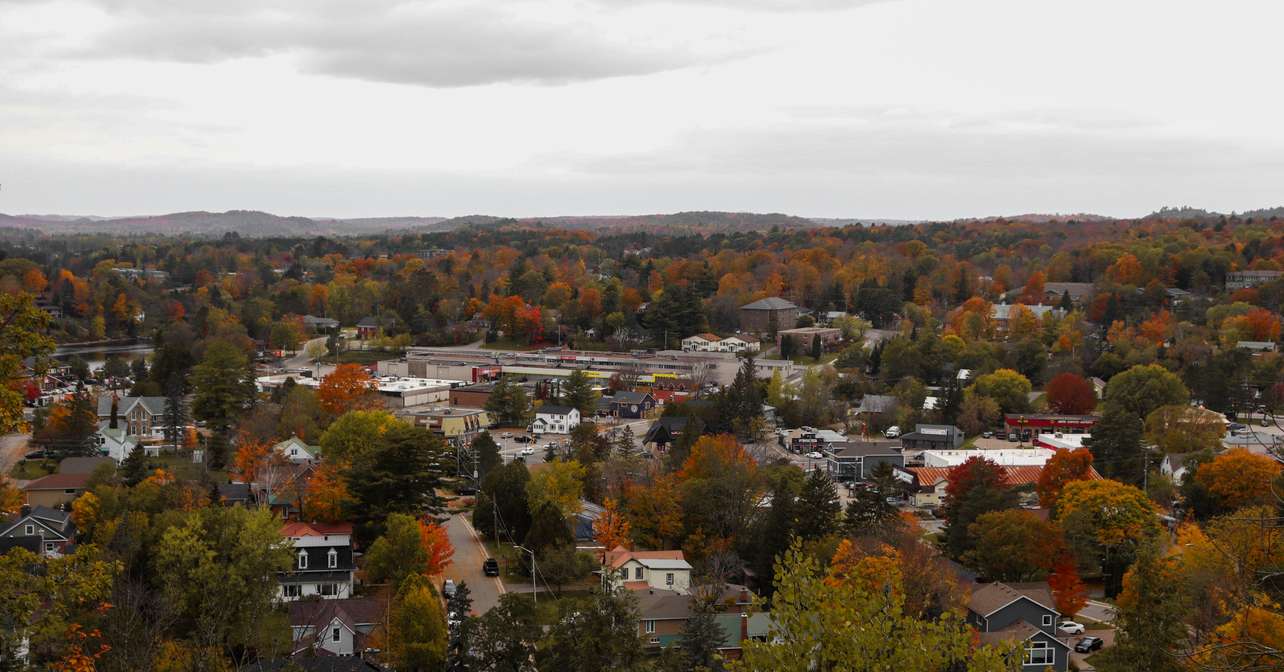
(1021, 613)
(856, 460)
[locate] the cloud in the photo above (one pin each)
(435, 43)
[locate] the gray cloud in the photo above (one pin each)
(438, 43)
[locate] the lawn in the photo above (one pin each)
(29, 470)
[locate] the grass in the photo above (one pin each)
(29, 470)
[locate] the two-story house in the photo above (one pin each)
(552, 419)
(641, 570)
(53, 529)
(321, 564)
(1024, 614)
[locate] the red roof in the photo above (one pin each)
(296, 529)
(59, 482)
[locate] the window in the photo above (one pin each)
(1047, 620)
(29, 530)
(648, 626)
(303, 559)
(668, 579)
(335, 635)
(1039, 653)
(637, 573)
(332, 559)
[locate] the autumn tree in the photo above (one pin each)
(1071, 393)
(1238, 478)
(348, 388)
(1063, 467)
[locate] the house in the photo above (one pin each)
(322, 561)
(856, 460)
(642, 570)
(139, 416)
(52, 530)
(932, 437)
(664, 431)
(1022, 613)
(1246, 279)
(334, 627)
(55, 489)
(295, 449)
(553, 419)
(114, 443)
(804, 338)
(627, 404)
(763, 315)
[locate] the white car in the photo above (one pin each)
(1070, 628)
(892, 432)
(813, 455)
(528, 450)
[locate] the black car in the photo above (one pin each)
(490, 567)
(1088, 645)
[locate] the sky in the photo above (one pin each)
(905, 109)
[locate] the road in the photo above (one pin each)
(466, 566)
(12, 448)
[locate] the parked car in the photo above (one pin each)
(813, 455)
(448, 588)
(1088, 644)
(892, 432)
(490, 567)
(1070, 628)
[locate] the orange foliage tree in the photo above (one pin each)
(1238, 478)
(437, 547)
(347, 388)
(1064, 466)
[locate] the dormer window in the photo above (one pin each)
(332, 559)
(303, 559)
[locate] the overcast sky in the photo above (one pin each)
(837, 108)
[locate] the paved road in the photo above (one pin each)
(466, 566)
(12, 448)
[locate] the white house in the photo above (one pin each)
(642, 570)
(321, 564)
(295, 449)
(550, 419)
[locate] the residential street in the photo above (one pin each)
(467, 565)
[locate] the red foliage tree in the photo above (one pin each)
(1064, 467)
(1071, 393)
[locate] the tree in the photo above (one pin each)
(416, 627)
(600, 636)
(1104, 523)
(975, 487)
(401, 475)
(1070, 393)
(1150, 624)
(487, 451)
(217, 570)
(1009, 389)
(558, 483)
(348, 388)
(1067, 588)
(853, 618)
(1238, 478)
(611, 529)
(224, 383)
(1144, 388)
(819, 505)
(1063, 467)
(23, 334)
(1116, 445)
(1012, 545)
(578, 393)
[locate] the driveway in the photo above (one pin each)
(466, 566)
